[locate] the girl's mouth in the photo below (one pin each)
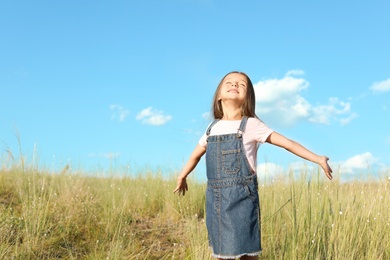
(233, 91)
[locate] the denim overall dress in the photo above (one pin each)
(232, 201)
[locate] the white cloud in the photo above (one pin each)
(358, 162)
(347, 120)
(109, 155)
(277, 89)
(281, 101)
(323, 114)
(301, 167)
(381, 87)
(153, 117)
(119, 112)
(294, 73)
(265, 170)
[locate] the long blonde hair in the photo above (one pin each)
(249, 106)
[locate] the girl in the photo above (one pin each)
(230, 143)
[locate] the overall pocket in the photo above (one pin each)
(231, 161)
(251, 192)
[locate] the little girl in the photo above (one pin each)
(230, 143)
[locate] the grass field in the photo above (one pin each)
(71, 215)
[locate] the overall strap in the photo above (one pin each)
(211, 125)
(241, 129)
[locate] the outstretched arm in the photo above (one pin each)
(182, 186)
(297, 149)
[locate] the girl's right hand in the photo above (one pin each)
(182, 186)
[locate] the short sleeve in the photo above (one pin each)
(258, 129)
(203, 140)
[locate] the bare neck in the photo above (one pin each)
(231, 111)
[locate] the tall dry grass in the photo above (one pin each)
(71, 215)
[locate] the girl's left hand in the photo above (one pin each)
(323, 162)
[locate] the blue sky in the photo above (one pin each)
(130, 83)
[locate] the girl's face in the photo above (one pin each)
(234, 87)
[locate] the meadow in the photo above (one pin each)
(73, 215)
